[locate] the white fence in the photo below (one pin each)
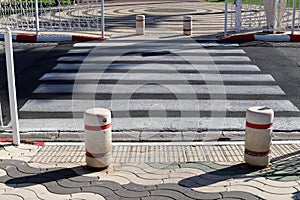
(51, 15)
(252, 17)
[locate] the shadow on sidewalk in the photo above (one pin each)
(227, 173)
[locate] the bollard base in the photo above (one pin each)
(257, 161)
(98, 163)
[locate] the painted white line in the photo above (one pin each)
(272, 38)
(155, 89)
(54, 38)
(157, 67)
(158, 77)
(120, 51)
(46, 105)
(115, 43)
(216, 143)
(110, 59)
(155, 124)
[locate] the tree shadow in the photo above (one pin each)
(209, 178)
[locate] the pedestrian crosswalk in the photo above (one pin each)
(174, 85)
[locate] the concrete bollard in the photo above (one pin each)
(98, 139)
(187, 25)
(258, 136)
(140, 24)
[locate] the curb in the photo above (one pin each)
(265, 38)
(51, 38)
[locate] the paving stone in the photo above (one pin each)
(189, 192)
(141, 173)
(42, 192)
(132, 194)
(10, 197)
(72, 184)
(57, 189)
(26, 194)
(278, 190)
(108, 184)
(155, 197)
(169, 193)
(115, 178)
(3, 172)
(210, 189)
(86, 196)
(133, 178)
(25, 168)
(83, 179)
(105, 192)
(139, 188)
(241, 195)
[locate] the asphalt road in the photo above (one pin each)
(33, 60)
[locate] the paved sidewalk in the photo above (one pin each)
(143, 171)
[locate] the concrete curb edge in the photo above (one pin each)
(265, 38)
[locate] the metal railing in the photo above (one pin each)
(252, 17)
(51, 15)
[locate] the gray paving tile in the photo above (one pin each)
(139, 188)
(107, 184)
(72, 184)
(169, 193)
(240, 195)
(105, 192)
(57, 189)
(132, 194)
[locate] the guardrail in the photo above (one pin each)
(252, 17)
(52, 15)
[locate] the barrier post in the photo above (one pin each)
(102, 20)
(140, 24)
(98, 139)
(187, 25)
(12, 86)
(258, 137)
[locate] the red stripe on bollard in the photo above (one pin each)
(259, 126)
(97, 128)
(97, 155)
(187, 20)
(139, 20)
(255, 153)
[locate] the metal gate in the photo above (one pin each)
(51, 15)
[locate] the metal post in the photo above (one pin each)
(275, 16)
(102, 19)
(12, 86)
(294, 16)
(37, 23)
(225, 18)
(238, 15)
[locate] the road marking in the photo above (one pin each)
(107, 59)
(156, 124)
(120, 50)
(54, 105)
(158, 67)
(151, 44)
(158, 77)
(156, 89)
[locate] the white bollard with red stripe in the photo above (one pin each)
(187, 25)
(98, 139)
(258, 137)
(140, 24)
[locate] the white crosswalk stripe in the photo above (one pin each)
(152, 85)
(157, 67)
(164, 89)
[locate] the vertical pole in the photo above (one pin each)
(225, 18)
(294, 16)
(238, 16)
(102, 19)
(12, 86)
(275, 16)
(37, 23)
